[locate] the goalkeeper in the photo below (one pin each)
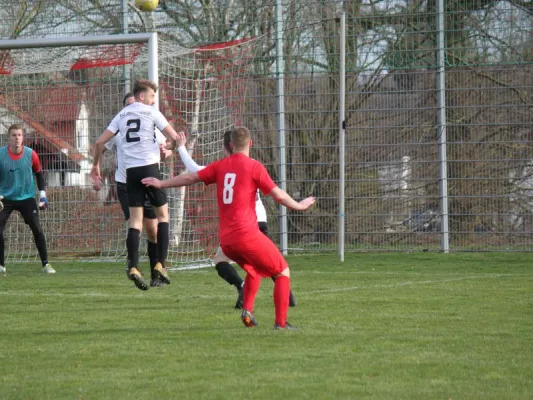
(222, 263)
(18, 163)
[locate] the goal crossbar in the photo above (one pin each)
(10, 44)
(149, 38)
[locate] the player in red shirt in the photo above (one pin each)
(237, 178)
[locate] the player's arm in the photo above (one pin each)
(206, 175)
(178, 181)
(280, 196)
(189, 163)
(39, 177)
(185, 156)
(171, 135)
(166, 129)
(163, 143)
(99, 147)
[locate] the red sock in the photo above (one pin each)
(282, 289)
(249, 291)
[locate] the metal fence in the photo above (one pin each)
(438, 110)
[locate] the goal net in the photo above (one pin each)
(65, 95)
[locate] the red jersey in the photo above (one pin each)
(237, 178)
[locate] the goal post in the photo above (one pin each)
(66, 90)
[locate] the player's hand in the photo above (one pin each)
(97, 184)
(165, 153)
(182, 139)
(95, 172)
(169, 146)
(96, 177)
(307, 202)
(154, 182)
(1, 204)
(43, 203)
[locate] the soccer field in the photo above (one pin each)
(378, 326)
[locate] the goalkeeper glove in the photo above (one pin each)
(1, 204)
(43, 201)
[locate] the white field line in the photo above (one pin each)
(135, 293)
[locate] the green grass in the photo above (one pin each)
(378, 326)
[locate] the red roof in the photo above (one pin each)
(41, 130)
(49, 105)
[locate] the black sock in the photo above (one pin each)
(229, 274)
(2, 261)
(162, 242)
(152, 255)
(132, 244)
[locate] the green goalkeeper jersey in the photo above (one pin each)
(16, 174)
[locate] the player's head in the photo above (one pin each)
(128, 99)
(15, 136)
(227, 142)
(240, 139)
(144, 91)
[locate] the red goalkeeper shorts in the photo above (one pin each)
(259, 253)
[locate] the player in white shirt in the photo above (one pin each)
(222, 263)
(136, 127)
(149, 216)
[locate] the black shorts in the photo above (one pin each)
(27, 208)
(137, 192)
(122, 193)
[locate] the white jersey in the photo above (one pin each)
(116, 142)
(135, 125)
(191, 166)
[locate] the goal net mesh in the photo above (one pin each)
(66, 96)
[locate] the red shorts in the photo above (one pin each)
(259, 255)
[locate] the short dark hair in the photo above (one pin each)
(126, 97)
(15, 127)
(142, 85)
(227, 141)
(240, 137)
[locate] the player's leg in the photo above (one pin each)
(150, 225)
(122, 195)
(263, 227)
(132, 243)
(267, 260)
(282, 289)
(4, 216)
(136, 195)
(158, 198)
(227, 272)
(28, 210)
(252, 282)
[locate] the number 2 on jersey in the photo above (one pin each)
(134, 126)
(227, 192)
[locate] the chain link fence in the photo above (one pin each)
(395, 56)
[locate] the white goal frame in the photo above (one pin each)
(150, 39)
(183, 71)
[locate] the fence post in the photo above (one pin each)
(280, 120)
(342, 130)
(441, 126)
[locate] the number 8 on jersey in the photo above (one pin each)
(229, 182)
